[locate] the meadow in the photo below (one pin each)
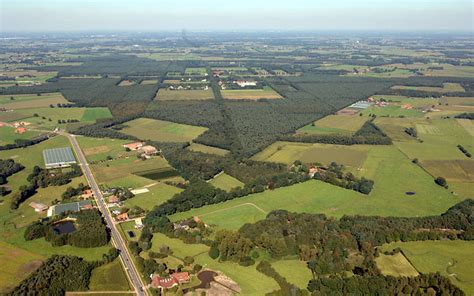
(109, 277)
(8, 135)
(453, 259)
(447, 88)
(295, 271)
(98, 149)
(184, 95)
(28, 101)
(334, 124)
(250, 94)
(196, 147)
(158, 194)
(200, 71)
(288, 152)
(225, 182)
(162, 131)
(395, 265)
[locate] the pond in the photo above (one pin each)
(64, 227)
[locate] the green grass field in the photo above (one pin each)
(8, 135)
(395, 265)
(17, 265)
(97, 149)
(31, 100)
(295, 271)
(109, 277)
(447, 87)
(225, 182)
(453, 259)
(162, 131)
(184, 95)
(158, 194)
(288, 152)
(207, 149)
(250, 94)
(334, 124)
(387, 198)
(92, 114)
(249, 279)
(196, 71)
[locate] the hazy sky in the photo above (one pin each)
(158, 15)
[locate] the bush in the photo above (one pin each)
(441, 182)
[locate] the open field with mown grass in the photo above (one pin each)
(158, 194)
(335, 124)
(295, 271)
(288, 152)
(453, 259)
(17, 264)
(196, 147)
(395, 265)
(97, 149)
(124, 171)
(388, 197)
(109, 277)
(250, 94)
(8, 135)
(447, 88)
(225, 182)
(31, 101)
(184, 95)
(249, 279)
(162, 131)
(462, 101)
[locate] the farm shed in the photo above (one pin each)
(58, 157)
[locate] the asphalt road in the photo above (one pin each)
(117, 239)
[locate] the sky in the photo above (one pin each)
(195, 15)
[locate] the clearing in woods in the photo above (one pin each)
(395, 265)
(196, 147)
(250, 94)
(184, 95)
(225, 182)
(447, 87)
(162, 131)
(335, 124)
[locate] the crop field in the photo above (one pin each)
(295, 271)
(447, 87)
(447, 71)
(395, 265)
(250, 94)
(30, 77)
(453, 259)
(225, 182)
(453, 170)
(8, 116)
(92, 114)
(162, 131)
(207, 149)
(335, 124)
(97, 149)
(109, 277)
(158, 194)
(468, 125)
(249, 279)
(31, 101)
(123, 171)
(288, 152)
(395, 127)
(8, 135)
(388, 197)
(17, 264)
(184, 95)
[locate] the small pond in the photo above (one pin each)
(64, 227)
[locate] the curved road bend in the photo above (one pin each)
(117, 239)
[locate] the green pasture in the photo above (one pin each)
(97, 149)
(395, 265)
(109, 277)
(158, 194)
(8, 135)
(196, 147)
(453, 259)
(162, 131)
(225, 182)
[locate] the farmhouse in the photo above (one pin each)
(113, 199)
(170, 281)
(68, 207)
(58, 157)
(122, 217)
(39, 207)
(20, 130)
(86, 194)
(133, 146)
(149, 150)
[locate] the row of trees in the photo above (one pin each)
(8, 167)
(335, 175)
(22, 143)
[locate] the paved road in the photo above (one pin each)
(117, 239)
